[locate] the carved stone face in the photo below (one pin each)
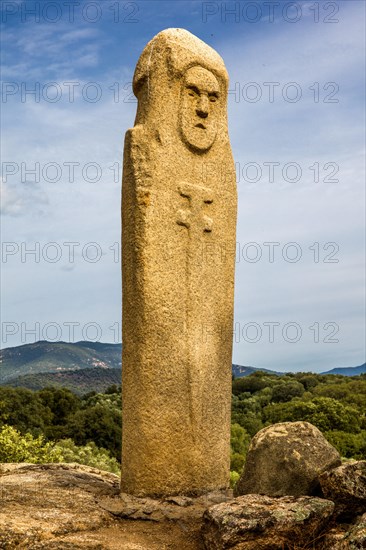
(199, 109)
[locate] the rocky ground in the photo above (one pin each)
(69, 506)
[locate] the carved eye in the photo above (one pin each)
(213, 98)
(193, 91)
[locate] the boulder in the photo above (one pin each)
(346, 486)
(253, 522)
(287, 459)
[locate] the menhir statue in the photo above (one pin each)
(178, 256)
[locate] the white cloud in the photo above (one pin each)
(22, 200)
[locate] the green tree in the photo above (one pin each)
(240, 440)
(89, 455)
(62, 403)
(285, 391)
(15, 447)
(252, 383)
(113, 389)
(24, 410)
(308, 380)
(99, 422)
(324, 412)
(349, 445)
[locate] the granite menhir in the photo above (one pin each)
(179, 204)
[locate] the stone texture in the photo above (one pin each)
(347, 537)
(175, 508)
(254, 522)
(179, 206)
(286, 459)
(69, 506)
(41, 504)
(334, 539)
(356, 537)
(346, 486)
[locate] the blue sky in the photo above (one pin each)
(296, 122)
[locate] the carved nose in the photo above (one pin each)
(202, 114)
(202, 107)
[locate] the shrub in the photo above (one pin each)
(89, 455)
(15, 447)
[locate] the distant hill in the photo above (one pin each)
(348, 371)
(44, 356)
(239, 371)
(86, 366)
(97, 379)
(81, 366)
(78, 381)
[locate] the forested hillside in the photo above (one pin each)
(84, 380)
(46, 356)
(79, 381)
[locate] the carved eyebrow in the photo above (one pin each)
(193, 88)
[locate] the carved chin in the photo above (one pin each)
(199, 138)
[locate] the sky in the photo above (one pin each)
(296, 125)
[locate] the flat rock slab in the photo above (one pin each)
(254, 522)
(43, 502)
(69, 506)
(175, 508)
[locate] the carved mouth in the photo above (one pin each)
(200, 125)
